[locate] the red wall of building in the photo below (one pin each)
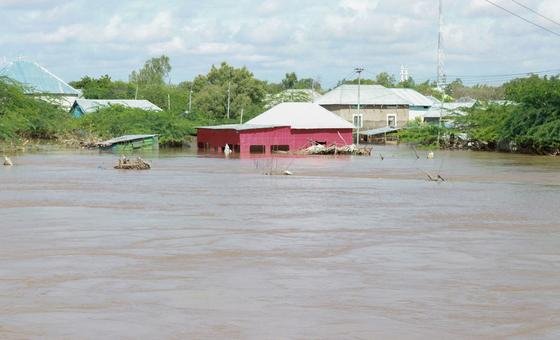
(216, 139)
(266, 137)
(303, 138)
(296, 139)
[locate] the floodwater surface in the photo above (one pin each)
(349, 247)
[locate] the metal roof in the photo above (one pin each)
(369, 95)
(239, 127)
(448, 109)
(301, 116)
(413, 97)
(126, 138)
(37, 79)
(92, 105)
(379, 131)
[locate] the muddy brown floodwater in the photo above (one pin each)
(207, 247)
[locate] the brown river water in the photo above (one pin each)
(346, 248)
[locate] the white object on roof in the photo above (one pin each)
(369, 95)
(92, 105)
(301, 116)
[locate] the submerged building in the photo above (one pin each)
(379, 106)
(84, 106)
(285, 127)
(38, 81)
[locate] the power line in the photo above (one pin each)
(537, 13)
(522, 18)
(504, 75)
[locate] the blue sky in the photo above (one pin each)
(322, 39)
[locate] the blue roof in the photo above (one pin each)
(37, 79)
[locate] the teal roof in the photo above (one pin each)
(37, 79)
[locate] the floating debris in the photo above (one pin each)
(431, 155)
(319, 149)
(137, 164)
(227, 150)
(7, 161)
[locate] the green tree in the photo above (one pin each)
(211, 92)
(23, 116)
(385, 79)
(289, 81)
(153, 72)
(104, 88)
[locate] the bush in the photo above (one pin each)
(117, 120)
(420, 133)
(24, 116)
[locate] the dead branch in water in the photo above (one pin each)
(320, 149)
(137, 164)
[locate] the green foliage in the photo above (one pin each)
(535, 122)
(420, 133)
(291, 81)
(118, 120)
(211, 92)
(104, 88)
(484, 123)
(23, 116)
(457, 89)
(153, 72)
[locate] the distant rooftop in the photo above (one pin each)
(373, 95)
(92, 105)
(37, 79)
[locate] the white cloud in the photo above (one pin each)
(271, 37)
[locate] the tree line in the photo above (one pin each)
(528, 121)
(226, 93)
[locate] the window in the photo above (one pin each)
(257, 149)
(392, 121)
(281, 148)
(358, 120)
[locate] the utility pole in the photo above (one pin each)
(190, 100)
(358, 70)
(168, 102)
(136, 93)
(440, 69)
(241, 119)
(228, 97)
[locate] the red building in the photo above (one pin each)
(285, 127)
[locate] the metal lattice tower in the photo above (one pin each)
(441, 56)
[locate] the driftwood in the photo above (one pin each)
(319, 149)
(7, 161)
(137, 164)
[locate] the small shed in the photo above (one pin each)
(285, 127)
(84, 106)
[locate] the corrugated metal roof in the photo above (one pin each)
(448, 109)
(92, 105)
(369, 95)
(413, 97)
(126, 138)
(301, 116)
(239, 127)
(379, 131)
(37, 79)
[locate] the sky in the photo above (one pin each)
(322, 39)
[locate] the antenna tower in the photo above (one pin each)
(441, 56)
